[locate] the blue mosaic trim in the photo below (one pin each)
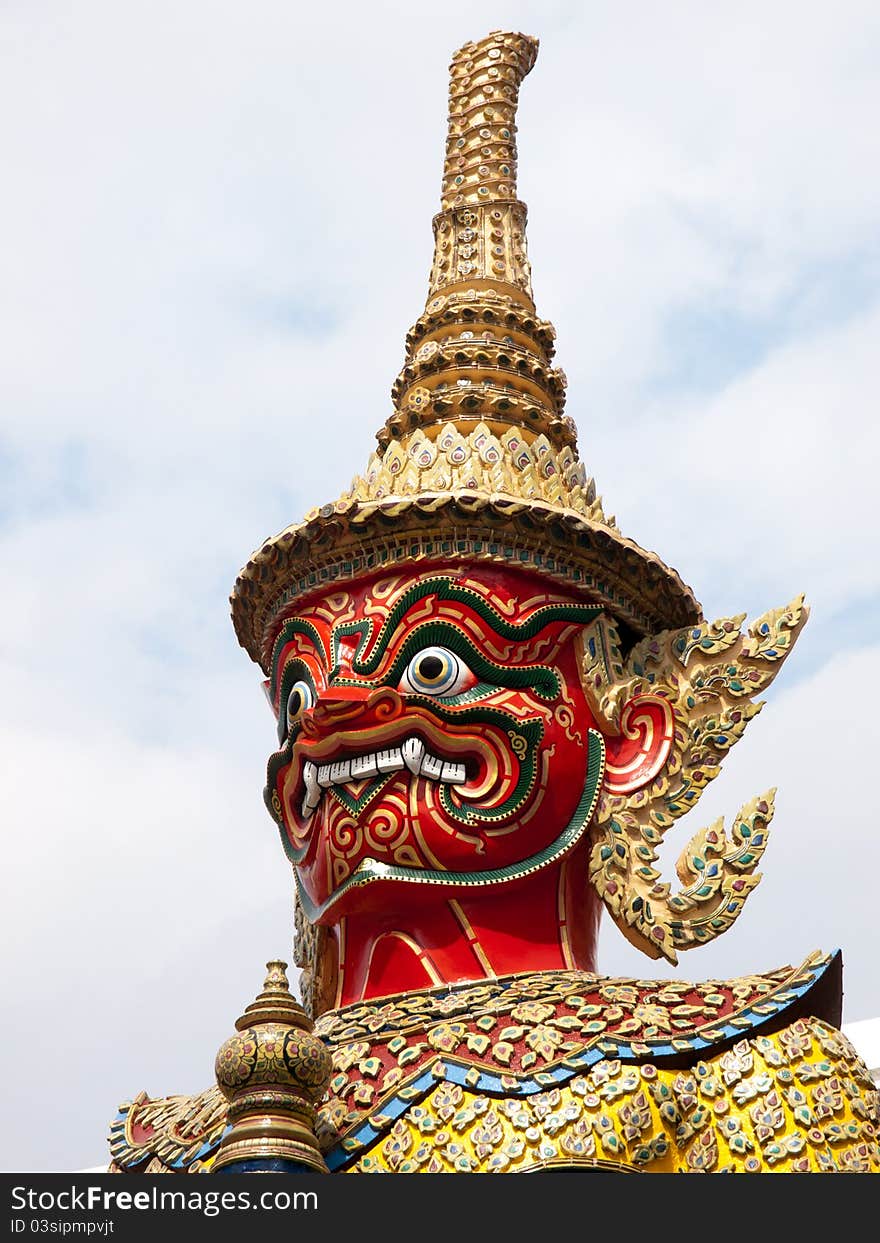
(508, 1085)
(266, 1166)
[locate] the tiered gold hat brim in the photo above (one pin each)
(353, 537)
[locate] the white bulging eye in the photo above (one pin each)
(299, 698)
(435, 671)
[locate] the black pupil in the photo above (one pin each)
(294, 703)
(431, 667)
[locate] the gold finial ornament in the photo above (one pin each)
(273, 1073)
(477, 461)
(479, 176)
(480, 356)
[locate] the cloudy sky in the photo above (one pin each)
(216, 226)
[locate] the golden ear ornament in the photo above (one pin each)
(708, 674)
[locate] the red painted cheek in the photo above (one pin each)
(483, 844)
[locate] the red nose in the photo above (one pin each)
(351, 707)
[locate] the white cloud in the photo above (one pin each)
(775, 475)
(148, 888)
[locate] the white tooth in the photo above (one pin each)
(310, 804)
(310, 777)
(432, 767)
(388, 761)
(324, 778)
(412, 751)
(364, 766)
(452, 772)
(312, 796)
(340, 772)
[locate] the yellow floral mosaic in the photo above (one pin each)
(798, 1101)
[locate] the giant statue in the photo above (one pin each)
(491, 707)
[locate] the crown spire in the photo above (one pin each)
(479, 176)
(479, 359)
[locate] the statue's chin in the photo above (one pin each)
(329, 877)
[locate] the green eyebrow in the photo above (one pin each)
(541, 678)
(446, 589)
(296, 626)
(294, 671)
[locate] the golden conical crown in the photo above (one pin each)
(478, 461)
(478, 405)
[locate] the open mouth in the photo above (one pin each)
(411, 754)
(319, 897)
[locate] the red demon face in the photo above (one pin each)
(433, 729)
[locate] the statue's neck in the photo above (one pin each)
(547, 921)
